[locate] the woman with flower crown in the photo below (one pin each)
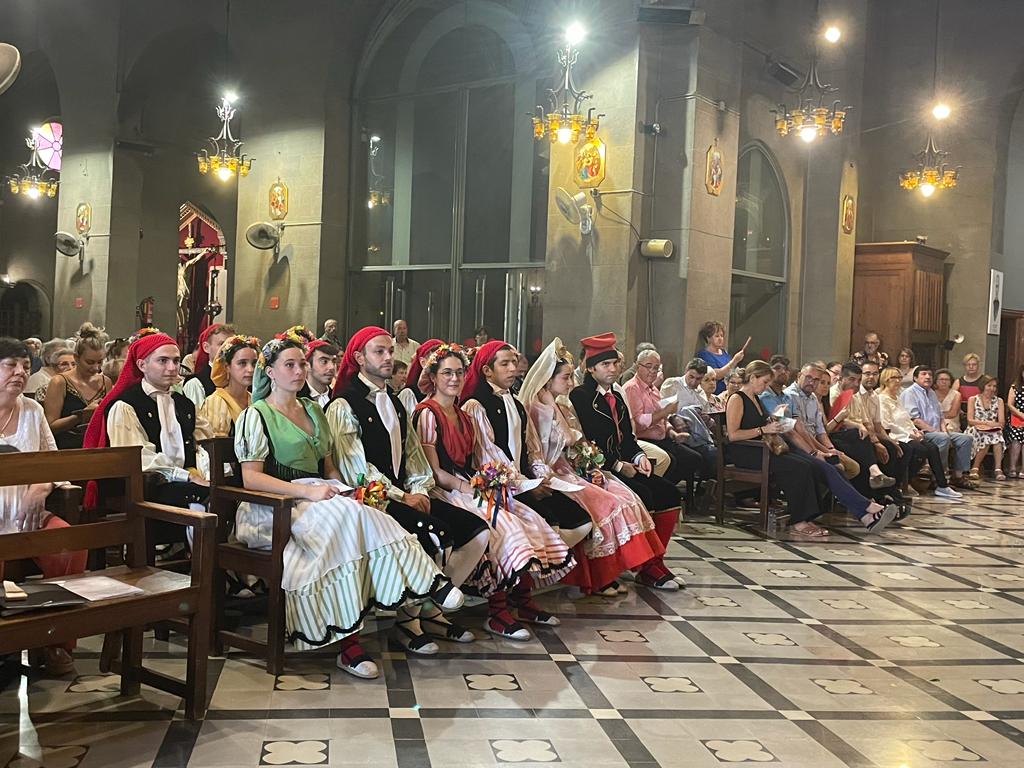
(232, 372)
(623, 537)
(522, 546)
(343, 558)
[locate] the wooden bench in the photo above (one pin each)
(267, 564)
(166, 595)
(730, 473)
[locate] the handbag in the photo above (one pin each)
(1016, 421)
(776, 444)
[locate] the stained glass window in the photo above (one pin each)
(50, 144)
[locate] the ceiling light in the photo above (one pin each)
(563, 121)
(575, 33)
(227, 157)
(941, 111)
(833, 33)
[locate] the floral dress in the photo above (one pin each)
(981, 413)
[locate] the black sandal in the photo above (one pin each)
(881, 518)
(420, 644)
(437, 626)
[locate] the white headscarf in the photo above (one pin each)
(542, 370)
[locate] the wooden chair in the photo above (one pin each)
(749, 477)
(165, 596)
(267, 564)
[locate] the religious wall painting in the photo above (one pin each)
(590, 163)
(278, 200)
(83, 218)
(714, 171)
(848, 213)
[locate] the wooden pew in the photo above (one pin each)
(166, 595)
(267, 564)
(750, 477)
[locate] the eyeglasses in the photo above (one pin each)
(649, 366)
(450, 374)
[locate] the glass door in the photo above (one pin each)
(421, 297)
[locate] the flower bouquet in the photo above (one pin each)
(372, 493)
(586, 460)
(493, 484)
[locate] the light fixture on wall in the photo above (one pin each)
(227, 158)
(563, 123)
(35, 179)
(933, 172)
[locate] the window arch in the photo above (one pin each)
(760, 253)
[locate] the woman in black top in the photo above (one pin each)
(72, 396)
(804, 479)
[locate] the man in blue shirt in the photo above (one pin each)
(924, 408)
(774, 396)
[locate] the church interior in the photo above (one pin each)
(812, 180)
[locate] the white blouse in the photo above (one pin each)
(895, 419)
(33, 434)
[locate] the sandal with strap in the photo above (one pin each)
(414, 642)
(449, 596)
(975, 475)
(811, 530)
(666, 581)
(437, 626)
(1000, 475)
(880, 519)
(503, 624)
(357, 662)
(611, 590)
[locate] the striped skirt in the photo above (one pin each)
(343, 560)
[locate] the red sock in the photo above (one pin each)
(665, 525)
(351, 649)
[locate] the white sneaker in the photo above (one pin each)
(948, 493)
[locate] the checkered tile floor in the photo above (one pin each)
(903, 649)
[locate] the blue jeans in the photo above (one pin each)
(961, 443)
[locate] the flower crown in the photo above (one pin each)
(299, 333)
(236, 342)
(142, 333)
(446, 350)
(279, 342)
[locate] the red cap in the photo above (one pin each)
(475, 375)
(599, 348)
(202, 356)
(349, 367)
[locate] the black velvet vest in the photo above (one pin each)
(149, 417)
(373, 434)
(494, 407)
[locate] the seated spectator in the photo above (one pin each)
(630, 372)
(835, 372)
(115, 352)
(73, 396)
(522, 367)
(709, 383)
(232, 372)
(949, 399)
(802, 477)
(864, 408)
(35, 349)
(1015, 429)
(923, 406)
(687, 388)
(986, 419)
(971, 382)
(58, 357)
(692, 414)
(905, 361)
(405, 348)
(22, 507)
(810, 433)
(330, 334)
(651, 424)
(774, 397)
(872, 351)
(399, 376)
(711, 349)
(853, 437)
(900, 426)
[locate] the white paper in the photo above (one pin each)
(98, 587)
(528, 484)
(557, 484)
(342, 488)
(787, 425)
(669, 400)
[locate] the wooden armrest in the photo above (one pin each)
(175, 515)
(254, 497)
(754, 443)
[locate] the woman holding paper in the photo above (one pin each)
(23, 428)
(343, 558)
(711, 349)
(623, 536)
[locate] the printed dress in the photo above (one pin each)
(985, 437)
(1015, 434)
(623, 537)
(343, 558)
(521, 541)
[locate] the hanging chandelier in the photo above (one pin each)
(35, 178)
(811, 118)
(227, 159)
(563, 122)
(932, 172)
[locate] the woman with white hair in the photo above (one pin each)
(58, 357)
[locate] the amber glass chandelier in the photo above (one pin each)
(35, 178)
(563, 122)
(226, 158)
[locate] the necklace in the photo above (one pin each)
(3, 429)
